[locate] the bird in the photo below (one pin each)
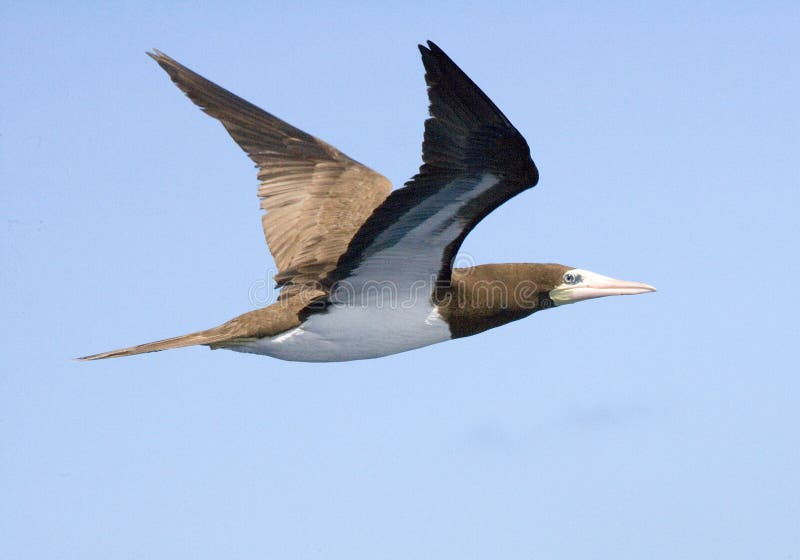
(365, 271)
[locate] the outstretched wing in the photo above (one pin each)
(315, 197)
(473, 161)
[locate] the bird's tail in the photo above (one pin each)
(211, 336)
(253, 325)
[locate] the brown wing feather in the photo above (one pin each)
(315, 197)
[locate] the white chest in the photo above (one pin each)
(344, 333)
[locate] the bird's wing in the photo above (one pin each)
(473, 161)
(314, 196)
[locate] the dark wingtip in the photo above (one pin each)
(432, 48)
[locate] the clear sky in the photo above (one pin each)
(657, 426)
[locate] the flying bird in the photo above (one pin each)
(366, 271)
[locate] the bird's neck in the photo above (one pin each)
(487, 296)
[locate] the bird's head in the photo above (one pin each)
(486, 296)
(576, 284)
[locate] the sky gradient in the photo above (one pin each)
(658, 426)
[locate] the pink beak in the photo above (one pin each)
(596, 286)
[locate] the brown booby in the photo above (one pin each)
(366, 271)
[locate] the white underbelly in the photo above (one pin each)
(343, 333)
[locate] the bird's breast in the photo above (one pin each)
(356, 332)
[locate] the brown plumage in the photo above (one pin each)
(483, 297)
(336, 232)
(274, 319)
(315, 198)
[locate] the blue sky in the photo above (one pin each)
(660, 426)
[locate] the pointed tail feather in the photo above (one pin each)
(266, 321)
(202, 337)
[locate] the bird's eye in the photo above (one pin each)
(570, 278)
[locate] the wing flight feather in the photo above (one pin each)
(315, 197)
